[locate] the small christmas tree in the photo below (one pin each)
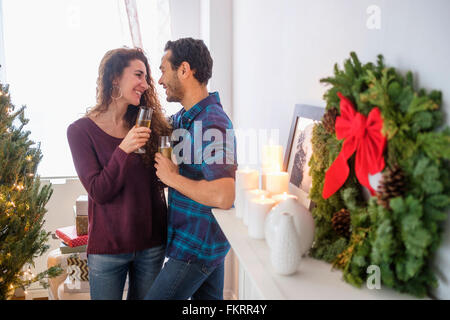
(22, 202)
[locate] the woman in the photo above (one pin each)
(127, 209)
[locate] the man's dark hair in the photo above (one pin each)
(193, 52)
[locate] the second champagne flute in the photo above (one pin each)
(165, 147)
(144, 119)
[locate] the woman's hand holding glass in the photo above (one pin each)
(136, 138)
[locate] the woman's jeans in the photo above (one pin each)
(180, 280)
(108, 273)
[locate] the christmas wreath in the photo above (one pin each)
(377, 122)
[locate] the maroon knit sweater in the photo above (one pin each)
(127, 209)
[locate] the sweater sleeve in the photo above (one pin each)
(102, 184)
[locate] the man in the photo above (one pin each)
(196, 246)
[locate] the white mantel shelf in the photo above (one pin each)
(313, 280)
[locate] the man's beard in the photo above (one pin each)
(177, 92)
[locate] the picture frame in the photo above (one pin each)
(299, 151)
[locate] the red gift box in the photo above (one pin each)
(70, 237)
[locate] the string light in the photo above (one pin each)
(29, 275)
(19, 187)
(28, 158)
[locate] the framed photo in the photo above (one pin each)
(299, 151)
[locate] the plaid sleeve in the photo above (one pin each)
(218, 146)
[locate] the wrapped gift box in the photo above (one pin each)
(81, 223)
(77, 267)
(81, 205)
(65, 249)
(70, 237)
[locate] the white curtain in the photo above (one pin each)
(133, 22)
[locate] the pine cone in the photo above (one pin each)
(329, 120)
(392, 185)
(341, 222)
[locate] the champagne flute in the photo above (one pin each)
(144, 119)
(165, 148)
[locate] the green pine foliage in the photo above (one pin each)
(400, 240)
(22, 201)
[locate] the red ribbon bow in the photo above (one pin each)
(362, 135)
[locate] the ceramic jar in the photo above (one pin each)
(285, 253)
(303, 222)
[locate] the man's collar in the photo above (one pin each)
(212, 98)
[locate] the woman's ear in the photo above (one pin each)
(116, 81)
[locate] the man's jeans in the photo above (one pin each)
(180, 280)
(108, 273)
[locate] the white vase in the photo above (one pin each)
(285, 253)
(303, 221)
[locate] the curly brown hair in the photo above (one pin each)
(111, 66)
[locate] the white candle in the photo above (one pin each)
(258, 210)
(272, 158)
(272, 161)
(277, 182)
(263, 180)
(283, 197)
(250, 194)
(245, 179)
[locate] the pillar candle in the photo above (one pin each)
(272, 158)
(277, 182)
(258, 210)
(263, 180)
(272, 161)
(283, 197)
(245, 179)
(250, 194)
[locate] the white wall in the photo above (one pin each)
(281, 48)
(220, 43)
(209, 20)
(185, 18)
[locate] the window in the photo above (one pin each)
(52, 52)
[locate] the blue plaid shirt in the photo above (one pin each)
(193, 232)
